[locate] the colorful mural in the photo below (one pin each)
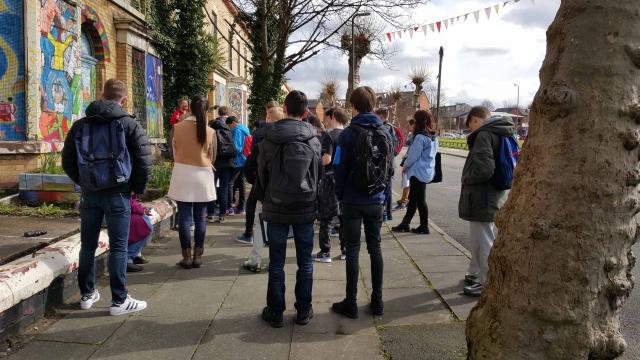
(235, 102)
(60, 80)
(12, 71)
(139, 95)
(154, 96)
(89, 15)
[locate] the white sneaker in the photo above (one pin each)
(130, 305)
(87, 301)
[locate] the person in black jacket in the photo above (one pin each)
(288, 172)
(224, 166)
(113, 204)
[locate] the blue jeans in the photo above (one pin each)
(303, 237)
(224, 177)
(116, 209)
(135, 249)
(192, 213)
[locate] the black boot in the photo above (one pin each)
(346, 308)
(401, 228)
(421, 230)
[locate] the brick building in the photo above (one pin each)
(55, 56)
(230, 80)
(404, 109)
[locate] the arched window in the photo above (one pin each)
(87, 72)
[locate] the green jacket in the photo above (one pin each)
(479, 200)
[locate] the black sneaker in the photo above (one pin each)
(376, 307)
(401, 228)
(305, 317)
(346, 308)
(275, 320)
(131, 267)
(421, 230)
(139, 260)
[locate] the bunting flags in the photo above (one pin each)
(449, 22)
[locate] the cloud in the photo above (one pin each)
(485, 51)
(534, 17)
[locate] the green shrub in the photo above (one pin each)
(160, 176)
(44, 210)
(50, 164)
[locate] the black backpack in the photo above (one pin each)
(293, 176)
(226, 147)
(374, 158)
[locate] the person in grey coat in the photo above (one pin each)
(479, 200)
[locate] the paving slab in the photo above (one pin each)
(188, 299)
(92, 326)
(306, 346)
(413, 306)
(425, 342)
(48, 350)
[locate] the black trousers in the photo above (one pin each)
(353, 218)
(250, 216)
(237, 181)
(417, 200)
(325, 239)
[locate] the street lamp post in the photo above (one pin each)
(518, 101)
(353, 47)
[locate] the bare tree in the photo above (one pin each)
(488, 104)
(329, 91)
(418, 76)
(560, 269)
(395, 94)
(431, 90)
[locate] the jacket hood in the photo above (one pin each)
(242, 128)
(219, 123)
(290, 130)
(366, 119)
(106, 110)
(502, 126)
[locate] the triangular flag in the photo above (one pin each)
(458, 18)
(488, 12)
(446, 24)
(476, 14)
(416, 29)
(399, 34)
(439, 25)
(466, 16)
(389, 36)
(505, 3)
(497, 7)
(411, 33)
(424, 28)
(451, 21)
(433, 29)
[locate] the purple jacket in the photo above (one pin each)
(138, 229)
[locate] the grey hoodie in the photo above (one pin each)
(479, 200)
(282, 132)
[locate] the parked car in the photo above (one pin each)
(450, 136)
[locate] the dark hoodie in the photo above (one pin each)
(344, 164)
(276, 134)
(219, 124)
(137, 144)
(479, 200)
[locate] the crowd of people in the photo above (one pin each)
(337, 172)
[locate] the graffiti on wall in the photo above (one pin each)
(139, 91)
(89, 15)
(60, 80)
(12, 94)
(154, 96)
(235, 103)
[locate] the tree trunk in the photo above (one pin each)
(350, 84)
(560, 269)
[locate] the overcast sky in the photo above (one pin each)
(482, 60)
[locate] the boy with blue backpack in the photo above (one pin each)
(486, 177)
(107, 153)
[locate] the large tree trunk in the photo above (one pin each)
(350, 82)
(560, 269)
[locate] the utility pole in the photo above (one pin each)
(518, 101)
(439, 84)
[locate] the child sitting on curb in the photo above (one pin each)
(140, 231)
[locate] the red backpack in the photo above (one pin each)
(246, 148)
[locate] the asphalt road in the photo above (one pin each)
(442, 200)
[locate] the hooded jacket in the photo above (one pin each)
(219, 124)
(479, 200)
(137, 144)
(344, 164)
(240, 133)
(282, 132)
(251, 165)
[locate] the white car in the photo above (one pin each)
(450, 136)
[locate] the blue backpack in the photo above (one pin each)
(506, 161)
(103, 157)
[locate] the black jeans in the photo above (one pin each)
(353, 217)
(252, 203)
(224, 177)
(388, 199)
(323, 235)
(417, 200)
(237, 180)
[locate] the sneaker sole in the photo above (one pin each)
(244, 242)
(87, 307)
(324, 261)
(119, 312)
(305, 321)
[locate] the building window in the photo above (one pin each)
(238, 49)
(246, 63)
(214, 22)
(231, 50)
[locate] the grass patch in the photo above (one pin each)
(160, 176)
(41, 211)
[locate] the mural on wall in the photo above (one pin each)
(221, 98)
(235, 103)
(12, 69)
(89, 15)
(60, 80)
(154, 96)
(139, 95)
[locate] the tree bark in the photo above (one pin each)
(560, 269)
(350, 83)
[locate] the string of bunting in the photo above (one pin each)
(442, 25)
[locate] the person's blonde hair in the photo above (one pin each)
(114, 89)
(275, 114)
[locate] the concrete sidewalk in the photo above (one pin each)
(213, 312)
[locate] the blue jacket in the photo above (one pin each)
(344, 165)
(421, 158)
(240, 133)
